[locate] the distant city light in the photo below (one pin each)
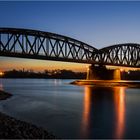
(1, 73)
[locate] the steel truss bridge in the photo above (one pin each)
(25, 43)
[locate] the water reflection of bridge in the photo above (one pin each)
(103, 113)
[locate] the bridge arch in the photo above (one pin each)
(26, 43)
(127, 54)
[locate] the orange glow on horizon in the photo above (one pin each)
(8, 63)
(40, 65)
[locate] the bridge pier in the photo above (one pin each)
(100, 72)
(116, 74)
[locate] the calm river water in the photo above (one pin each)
(71, 111)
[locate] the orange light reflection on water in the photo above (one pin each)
(86, 111)
(119, 97)
(118, 100)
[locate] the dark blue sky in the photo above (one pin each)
(97, 23)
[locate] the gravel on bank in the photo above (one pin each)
(11, 128)
(4, 95)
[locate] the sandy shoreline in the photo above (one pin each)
(11, 128)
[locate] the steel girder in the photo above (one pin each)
(25, 43)
(121, 55)
(35, 44)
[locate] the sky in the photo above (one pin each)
(97, 23)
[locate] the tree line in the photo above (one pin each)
(53, 74)
(65, 74)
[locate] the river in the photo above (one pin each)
(71, 111)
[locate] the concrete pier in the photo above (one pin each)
(117, 74)
(100, 72)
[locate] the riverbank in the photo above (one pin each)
(108, 83)
(4, 95)
(11, 128)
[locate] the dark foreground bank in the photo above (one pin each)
(10, 128)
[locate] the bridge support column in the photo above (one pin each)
(117, 74)
(100, 72)
(91, 74)
(95, 72)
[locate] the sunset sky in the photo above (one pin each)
(99, 24)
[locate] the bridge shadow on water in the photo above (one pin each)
(103, 112)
